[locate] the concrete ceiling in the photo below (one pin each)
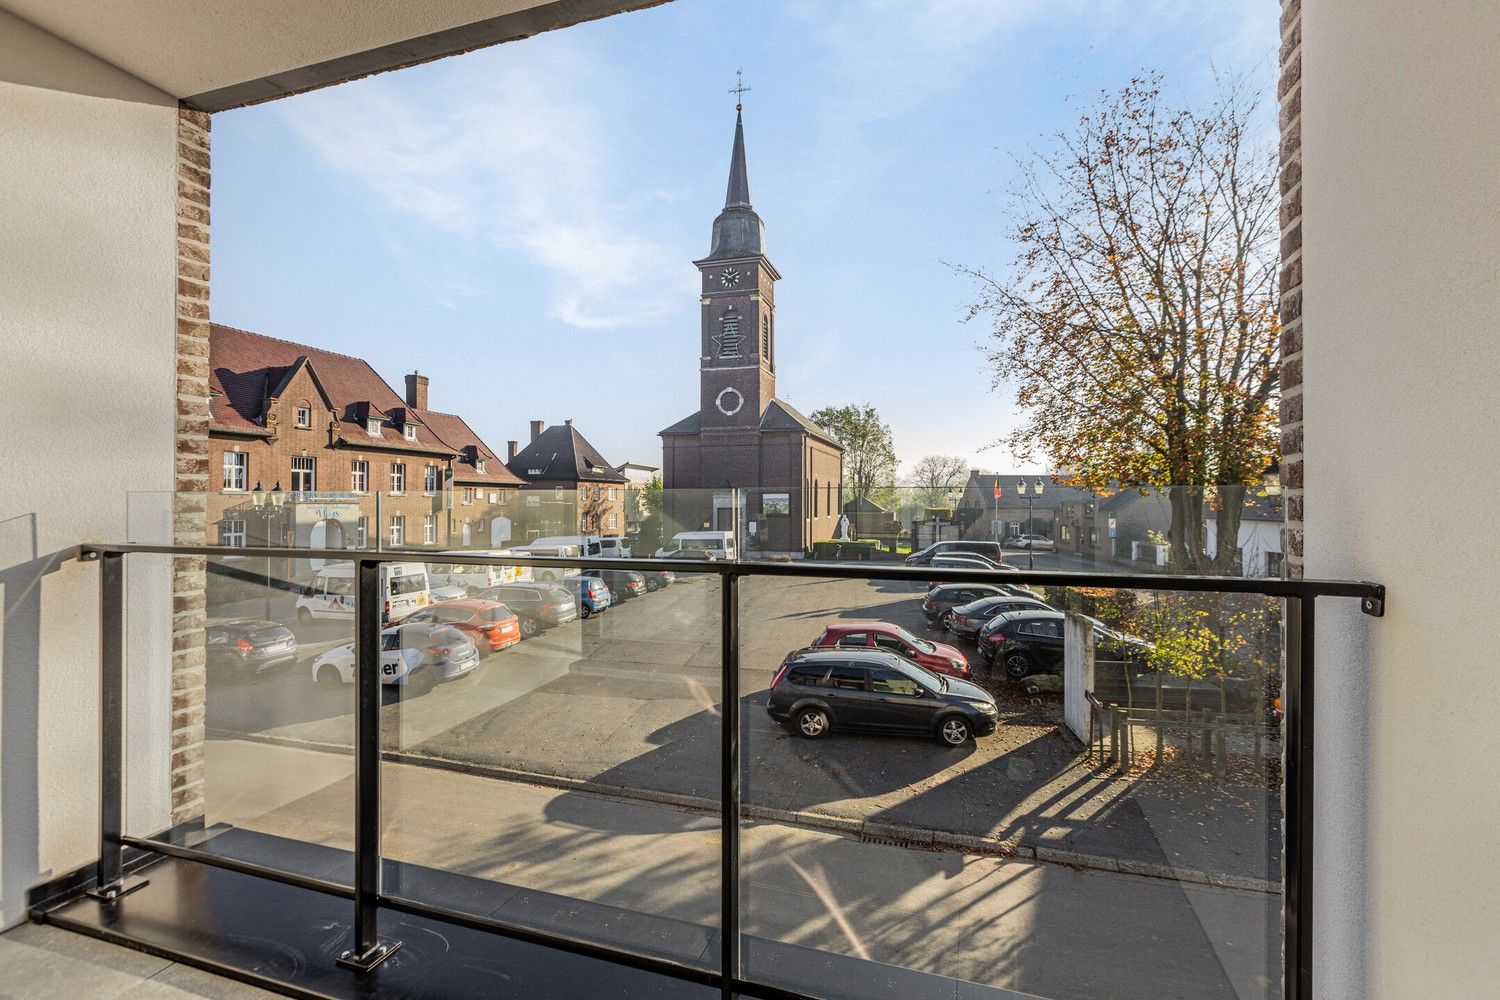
(218, 54)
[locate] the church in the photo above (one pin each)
(747, 461)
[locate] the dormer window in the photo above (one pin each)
(304, 416)
(479, 465)
(373, 426)
(410, 431)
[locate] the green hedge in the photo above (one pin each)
(859, 551)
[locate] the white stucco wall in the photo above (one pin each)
(87, 285)
(1401, 156)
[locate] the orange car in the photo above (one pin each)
(489, 625)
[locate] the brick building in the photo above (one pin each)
(569, 488)
(359, 465)
(747, 461)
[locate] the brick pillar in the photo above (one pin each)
(190, 502)
(1290, 94)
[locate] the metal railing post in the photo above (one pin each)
(1297, 914)
(368, 951)
(110, 881)
(729, 778)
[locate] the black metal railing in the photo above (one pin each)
(367, 894)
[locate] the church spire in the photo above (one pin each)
(738, 195)
(737, 230)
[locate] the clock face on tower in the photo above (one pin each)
(729, 277)
(729, 402)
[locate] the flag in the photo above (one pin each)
(999, 492)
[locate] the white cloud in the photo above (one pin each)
(519, 146)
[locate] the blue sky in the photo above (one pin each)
(519, 223)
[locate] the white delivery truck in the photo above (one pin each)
(699, 545)
(550, 574)
(403, 589)
(472, 578)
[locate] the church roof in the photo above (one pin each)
(779, 415)
(561, 453)
(738, 231)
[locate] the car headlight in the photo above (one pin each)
(957, 664)
(985, 707)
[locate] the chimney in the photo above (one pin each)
(511, 447)
(416, 391)
(537, 427)
(569, 421)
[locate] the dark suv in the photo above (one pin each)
(816, 690)
(1030, 642)
(957, 547)
(538, 605)
(944, 597)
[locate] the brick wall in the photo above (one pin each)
(1290, 94)
(192, 472)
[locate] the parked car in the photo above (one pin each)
(489, 625)
(970, 560)
(540, 606)
(1030, 642)
(591, 593)
(816, 691)
(966, 620)
(416, 657)
(935, 656)
(248, 646)
(614, 547)
(956, 546)
(623, 583)
(1038, 543)
(449, 592)
(659, 579)
(944, 597)
(699, 545)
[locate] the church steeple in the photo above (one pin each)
(738, 231)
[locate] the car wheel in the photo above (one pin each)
(304, 616)
(583, 611)
(946, 621)
(812, 723)
(954, 731)
(1017, 665)
(329, 678)
(652, 586)
(530, 628)
(418, 684)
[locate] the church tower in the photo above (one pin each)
(737, 367)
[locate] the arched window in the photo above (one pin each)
(730, 337)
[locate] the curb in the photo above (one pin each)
(897, 834)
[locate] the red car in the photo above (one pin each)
(489, 625)
(936, 656)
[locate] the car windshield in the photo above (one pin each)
(498, 613)
(923, 676)
(921, 644)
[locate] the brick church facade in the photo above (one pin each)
(747, 461)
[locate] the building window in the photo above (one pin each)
(236, 470)
(304, 416)
(430, 479)
(359, 476)
(613, 522)
(232, 533)
(502, 498)
(372, 427)
(398, 529)
(409, 431)
(1066, 533)
(304, 473)
(765, 337)
(398, 477)
(468, 495)
(730, 337)
(610, 493)
(429, 530)
(362, 533)
(815, 498)
(479, 465)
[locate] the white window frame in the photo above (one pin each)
(232, 533)
(398, 529)
(612, 523)
(304, 417)
(398, 477)
(610, 493)
(311, 473)
(432, 479)
(409, 431)
(429, 530)
(240, 465)
(359, 475)
(468, 496)
(372, 427)
(362, 532)
(479, 465)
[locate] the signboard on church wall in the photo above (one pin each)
(776, 503)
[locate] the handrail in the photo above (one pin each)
(1371, 595)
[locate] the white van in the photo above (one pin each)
(403, 586)
(699, 544)
(473, 578)
(550, 574)
(588, 546)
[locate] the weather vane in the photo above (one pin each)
(738, 89)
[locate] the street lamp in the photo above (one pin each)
(1030, 498)
(258, 497)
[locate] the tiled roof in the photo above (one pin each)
(779, 415)
(1053, 495)
(561, 453)
(452, 428)
(245, 368)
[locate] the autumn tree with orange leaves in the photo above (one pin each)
(1138, 325)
